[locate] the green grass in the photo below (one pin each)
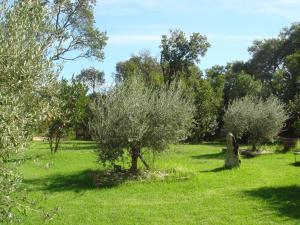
(265, 190)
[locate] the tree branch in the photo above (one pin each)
(143, 161)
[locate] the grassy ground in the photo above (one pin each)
(265, 190)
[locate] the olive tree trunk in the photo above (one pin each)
(135, 152)
(135, 155)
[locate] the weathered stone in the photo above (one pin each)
(232, 157)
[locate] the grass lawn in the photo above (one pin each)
(265, 190)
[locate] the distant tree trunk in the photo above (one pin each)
(55, 133)
(232, 158)
(54, 142)
(254, 147)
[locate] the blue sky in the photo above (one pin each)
(230, 26)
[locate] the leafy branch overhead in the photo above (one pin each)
(72, 33)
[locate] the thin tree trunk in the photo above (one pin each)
(51, 143)
(57, 142)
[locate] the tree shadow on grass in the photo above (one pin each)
(77, 182)
(296, 164)
(218, 144)
(285, 200)
(218, 155)
(219, 169)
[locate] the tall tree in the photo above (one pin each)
(276, 63)
(72, 114)
(179, 53)
(266, 58)
(92, 77)
(207, 104)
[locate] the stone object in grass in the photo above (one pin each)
(232, 157)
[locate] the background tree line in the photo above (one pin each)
(272, 70)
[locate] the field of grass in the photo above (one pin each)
(192, 188)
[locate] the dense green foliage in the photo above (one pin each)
(131, 117)
(207, 105)
(261, 119)
(144, 66)
(72, 113)
(187, 186)
(179, 53)
(294, 122)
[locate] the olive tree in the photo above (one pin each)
(131, 117)
(25, 71)
(261, 119)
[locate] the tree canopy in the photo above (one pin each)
(144, 66)
(91, 77)
(132, 117)
(179, 53)
(261, 119)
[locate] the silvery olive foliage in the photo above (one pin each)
(130, 117)
(261, 119)
(25, 73)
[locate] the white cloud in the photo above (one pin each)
(285, 8)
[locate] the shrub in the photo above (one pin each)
(261, 119)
